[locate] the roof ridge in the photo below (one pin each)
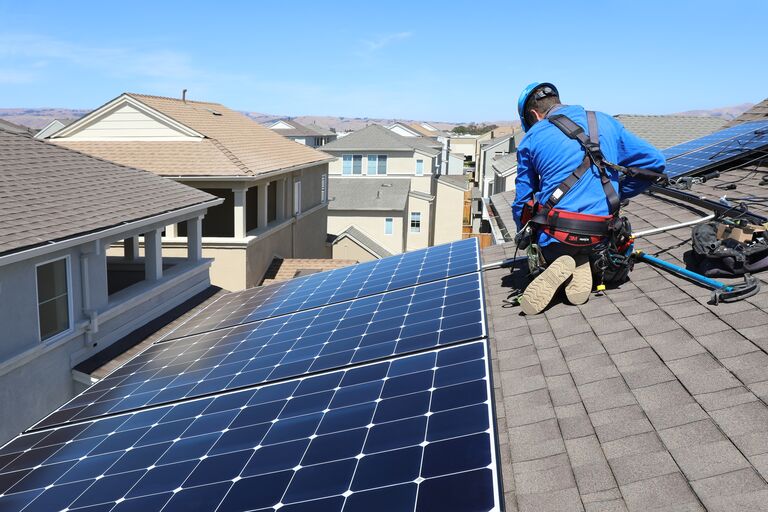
(230, 155)
(178, 100)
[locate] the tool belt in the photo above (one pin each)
(571, 228)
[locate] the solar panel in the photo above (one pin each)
(338, 285)
(716, 148)
(374, 327)
(410, 433)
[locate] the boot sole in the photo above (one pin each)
(539, 293)
(580, 285)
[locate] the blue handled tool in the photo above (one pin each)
(721, 292)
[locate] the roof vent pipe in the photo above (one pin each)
(184, 95)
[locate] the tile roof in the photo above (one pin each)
(425, 132)
(300, 130)
(49, 193)
(758, 112)
(364, 240)
(234, 145)
(645, 398)
(667, 131)
(364, 193)
(492, 142)
(375, 137)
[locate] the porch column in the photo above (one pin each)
(153, 255)
(240, 219)
(287, 199)
(171, 231)
(261, 214)
(195, 239)
(280, 198)
(131, 248)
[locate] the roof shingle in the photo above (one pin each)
(48, 193)
(234, 145)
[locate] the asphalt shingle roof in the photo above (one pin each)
(668, 131)
(49, 193)
(758, 112)
(301, 130)
(644, 398)
(234, 145)
(364, 193)
(377, 138)
(504, 163)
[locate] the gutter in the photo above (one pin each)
(104, 233)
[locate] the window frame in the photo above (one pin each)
(296, 197)
(420, 171)
(389, 222)
(323, 188)
(417, 228)
(70, 304)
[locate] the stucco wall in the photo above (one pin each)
(346, 249)
(399, 163)
(310, 235)
(448, 214)
(421, 239)
(466, 146)
(372, 224)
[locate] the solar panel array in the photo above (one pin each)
(717, 148)
(338, 285)
(363, 401)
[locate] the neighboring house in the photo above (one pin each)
(53, 127)
(312, 135)
(377, 208)
(433, 137)
(62, 298)
(466, 145)
(667, 131)
(504, 173)
(386, 185)
(274, 190)
(489, 150)
(456, 163)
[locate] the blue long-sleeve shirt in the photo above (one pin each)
(546, 157)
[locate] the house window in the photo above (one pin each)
(382, 164)
(323, 188)
(377, 165)
(297, 197)
(53, 307)
(419, 167)
(352, 164)
(415, 222)
(388, 225)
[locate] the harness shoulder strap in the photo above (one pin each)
(592, 156)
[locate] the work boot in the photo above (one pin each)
(580, 285)
(539, 293)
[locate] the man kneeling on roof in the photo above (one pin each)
(574, 167)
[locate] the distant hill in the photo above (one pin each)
(726, 113)
(39, 117)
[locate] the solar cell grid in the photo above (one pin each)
(410, 433)
(719, 136)
(374, 327)
(365, 279)
(716, 148)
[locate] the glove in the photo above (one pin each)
(523, 238)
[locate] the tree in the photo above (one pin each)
(473, 129)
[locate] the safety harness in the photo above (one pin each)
(582, 229)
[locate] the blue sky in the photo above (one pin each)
(447, 60)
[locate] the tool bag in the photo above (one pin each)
(726, 258)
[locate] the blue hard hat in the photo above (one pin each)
(542, 90)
